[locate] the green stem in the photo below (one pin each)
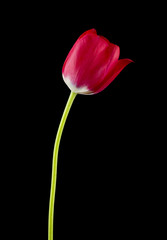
(54, 165)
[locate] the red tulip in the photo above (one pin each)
(92, 64)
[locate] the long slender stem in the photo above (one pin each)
(54, 165)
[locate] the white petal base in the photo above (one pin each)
(73, 88)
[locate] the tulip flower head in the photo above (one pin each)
(92, 64)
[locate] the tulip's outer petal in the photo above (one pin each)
(91, 31)
(112, 74)
(88, 61)
(114, 56)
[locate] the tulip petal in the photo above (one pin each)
(91, 31)
(112, 74)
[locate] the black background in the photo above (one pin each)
(103, 183)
